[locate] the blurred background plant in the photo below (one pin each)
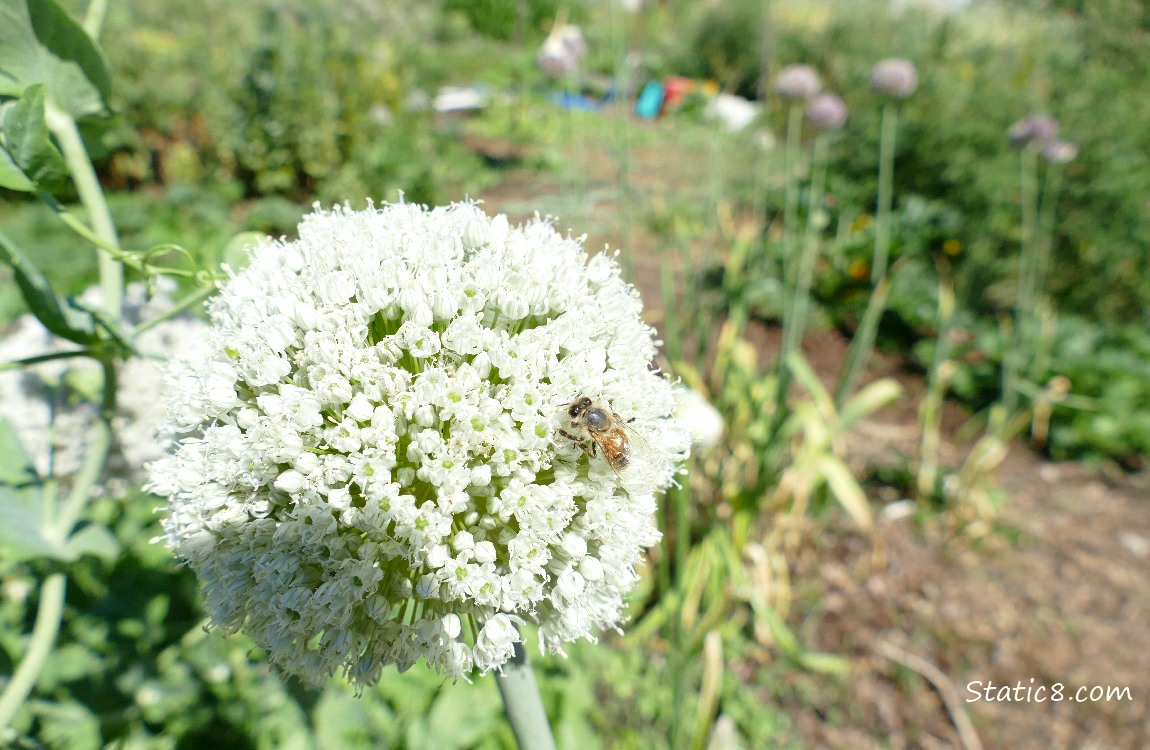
(234, 117)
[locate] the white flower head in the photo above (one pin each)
(371, 453)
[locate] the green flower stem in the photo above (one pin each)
(885, 192)
(1017, 353)
(941, 372)
(48, 616)
(795, 316)
(95, 456)
(791, 198)
(92, 196)
(1043, 246)
(863, 342)
(522, 702)
(619, 130)
(187, 302)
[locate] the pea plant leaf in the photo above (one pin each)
(92, 540)
(16, 469)
(57, 315)
(21, 537)
(40, 42)
(11, 176)
(27, 145)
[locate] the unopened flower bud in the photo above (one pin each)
(894, 77)
(798, 82)
(1034, 128)
(827, 112)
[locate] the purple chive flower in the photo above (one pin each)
(798, 82)
(894, 77)
(1034, 128)
(827, 112)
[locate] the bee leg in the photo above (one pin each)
(587, 446)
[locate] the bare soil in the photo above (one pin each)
(1056, 593)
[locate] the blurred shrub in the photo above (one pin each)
(504, 19)
(302, 99)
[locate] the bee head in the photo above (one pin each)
(578, 406)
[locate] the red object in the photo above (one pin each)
(675, 89)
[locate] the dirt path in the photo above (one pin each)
(1057, 594)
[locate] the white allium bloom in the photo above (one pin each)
(703, 421)
(365, 466)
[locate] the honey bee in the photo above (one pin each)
(599, 428)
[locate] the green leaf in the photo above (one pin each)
(57, 315)
(846, 489)
(60, 33)
(11, 176)
(68, 725)
(869, 400)
(810, 381)
(20, 535)
(16, 468)
(93, 540)
(237, 251)
(462, 713)
(815, 661)
(342, 720)
(53, 50)
(27, 141)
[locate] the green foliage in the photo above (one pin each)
(978, 74)
(506, 19)
(957, 187)
(40, 42)
(302, 103)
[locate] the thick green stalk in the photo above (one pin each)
(1043, 246)
(789, 270)
(863, 342)
(523, 704)
(92, 196)
(791, 197)
(1016, 352)
(795, 314)
(885, 193)
(95, 456)
(930, 413)
(765, 40)
(48, 616)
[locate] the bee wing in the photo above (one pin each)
(626, 425)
